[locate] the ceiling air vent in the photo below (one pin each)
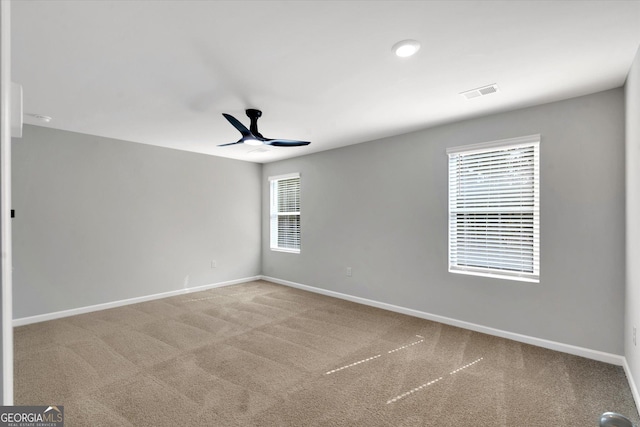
(481, 91)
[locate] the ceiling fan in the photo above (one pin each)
(253, 137)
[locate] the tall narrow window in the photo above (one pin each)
(285, 213)
(494, 209)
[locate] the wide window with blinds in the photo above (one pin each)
(285, 212)
(494, 209)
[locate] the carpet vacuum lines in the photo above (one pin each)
(353, 364)
(376, 356)
(420, 387)
(406, 346)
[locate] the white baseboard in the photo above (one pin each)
(88, 309)
(601, 356)
(632, 383)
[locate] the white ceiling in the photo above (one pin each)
(162, 72)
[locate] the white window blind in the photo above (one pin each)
(285, 213)
(494, 209)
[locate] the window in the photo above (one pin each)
(285, 213)
(494, 209)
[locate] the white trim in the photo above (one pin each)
(601, 356)
(286, 250)
(88, 309)
(492, 145)
(632, 383)
(5, 194)
(285, 176)
(495, 275)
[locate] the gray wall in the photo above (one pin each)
(381, 208)
(100, 220)
(632, 92)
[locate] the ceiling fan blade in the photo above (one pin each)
(285, 142)
(231, 143)
(236, 124)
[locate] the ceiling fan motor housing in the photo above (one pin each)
(253, 113)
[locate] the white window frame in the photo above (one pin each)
(466, 251)
(274, 214)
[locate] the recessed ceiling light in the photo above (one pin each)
(406, 48)
(251, 141)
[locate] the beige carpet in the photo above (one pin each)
(260, 354)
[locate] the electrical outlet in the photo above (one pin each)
(348, 271)
(214, 264)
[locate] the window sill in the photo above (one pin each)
(530, 279)
(290, 251)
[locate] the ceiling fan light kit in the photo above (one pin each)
(252, 136)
